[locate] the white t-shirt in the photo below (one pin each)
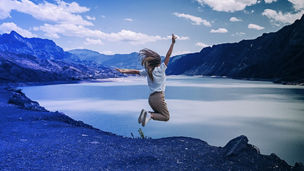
(159, 78)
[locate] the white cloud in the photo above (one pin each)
(239, 34)
(219, 30)
(91, 18)
(194, 19)
(180, 52)
(132, 37)
(107, 52)
(255, 27)
(181, 37)
(234, 19)
(201, 44)
(129, 19)
(90, 41)
(9, 26)
(72, 30)
(269, 1)
(61, 12)
(227, 5)
(64, 19)
(297, 4)
(5, 9)
(178, 37)
(286, 18)
(248, 12)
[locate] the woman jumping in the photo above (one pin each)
(156, 77)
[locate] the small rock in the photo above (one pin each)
(94, 142)
(298, 166)
(23, 140)
(18, 98)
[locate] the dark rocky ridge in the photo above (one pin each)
(275, 56)
(46, 140)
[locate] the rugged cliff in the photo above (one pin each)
(275, 56)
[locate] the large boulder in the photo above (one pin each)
(18, 98)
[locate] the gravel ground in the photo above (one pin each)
(32, 138)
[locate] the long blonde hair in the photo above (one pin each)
(150, 60)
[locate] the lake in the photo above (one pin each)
(212, 109)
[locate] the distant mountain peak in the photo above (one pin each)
(42, 48)
(16, 35)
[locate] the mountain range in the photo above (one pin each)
(277, 56)
(40, 60)
(131, 60)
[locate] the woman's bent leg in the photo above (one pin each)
(158, 104)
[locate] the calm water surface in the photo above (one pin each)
(212, 109)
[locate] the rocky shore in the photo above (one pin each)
(32, 138)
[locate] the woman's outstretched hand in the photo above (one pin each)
(119, 70)
(127, 71)
(173, 38)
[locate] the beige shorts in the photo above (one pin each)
(158, 104)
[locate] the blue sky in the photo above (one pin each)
(124, 26)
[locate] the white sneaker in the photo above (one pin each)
(146, 119)
(141, 116)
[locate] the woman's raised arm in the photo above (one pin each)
(170, 50)
(127, 71)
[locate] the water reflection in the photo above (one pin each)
(215, 110)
